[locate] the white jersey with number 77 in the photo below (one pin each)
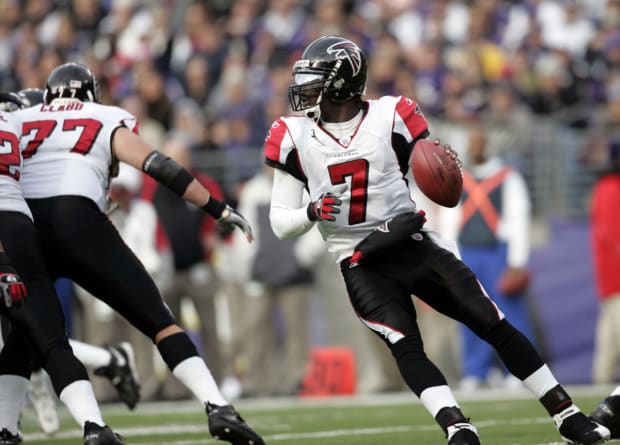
(66, 147)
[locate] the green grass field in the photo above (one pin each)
(509, 418)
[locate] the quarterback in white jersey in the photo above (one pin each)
(367, 167)
(70, 145)
(351, 156)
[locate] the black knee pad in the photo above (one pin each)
(410, 345)
(497, 332)
(16, 356)
(514, 349)
(63, 367)
(175, 348)
(415, 367)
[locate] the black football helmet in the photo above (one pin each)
(10, 102)
(31, 96)
(330, 66)
(72, 80)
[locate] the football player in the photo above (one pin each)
(70, 146)
(351, 156)
(115, 362)
(38, 326)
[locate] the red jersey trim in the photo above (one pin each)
(273, 141)
(412, 116)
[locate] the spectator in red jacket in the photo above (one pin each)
(606, 250)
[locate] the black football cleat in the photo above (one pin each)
(227, 425)
(607, 413)
(463, 434)
(100, 435)
(577, 429)
(6, 438)
(123, 373)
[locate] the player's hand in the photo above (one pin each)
(389, 234)
(324, 208)
(450, 152)
(110, 207)
(12, 289)
(231, 218)
(514, 281)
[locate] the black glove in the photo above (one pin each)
(324, 208)
(231, 218)
(12, 289)
(391, 233)
(227, 217)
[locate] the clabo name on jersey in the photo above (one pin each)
(63, 107)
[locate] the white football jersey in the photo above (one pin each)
(66, 148)
(11, 198)
(368, 173)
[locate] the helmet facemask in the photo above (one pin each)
(309, 87)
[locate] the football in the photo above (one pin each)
(436, 173)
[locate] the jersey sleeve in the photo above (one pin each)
(128, 120)
(280, 151)
(409, 121)
(409, 126)
(114, 118)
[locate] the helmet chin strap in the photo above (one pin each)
(314, 112)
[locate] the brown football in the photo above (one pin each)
(436, 173)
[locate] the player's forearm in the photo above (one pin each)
(289, 223)
(196, 193)
(288, 213)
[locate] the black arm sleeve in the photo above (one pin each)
(167, 171)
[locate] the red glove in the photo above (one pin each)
(12, 289)
(324, 208)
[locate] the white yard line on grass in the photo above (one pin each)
(156, 408)
(153, 431)
(404, 397)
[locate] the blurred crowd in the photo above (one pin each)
(216, 72)
(209, 77)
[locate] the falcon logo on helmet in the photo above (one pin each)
(349, 51)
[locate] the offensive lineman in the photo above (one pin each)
(115, 362)
(40, 321)
(351, 156)
(70, 147)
